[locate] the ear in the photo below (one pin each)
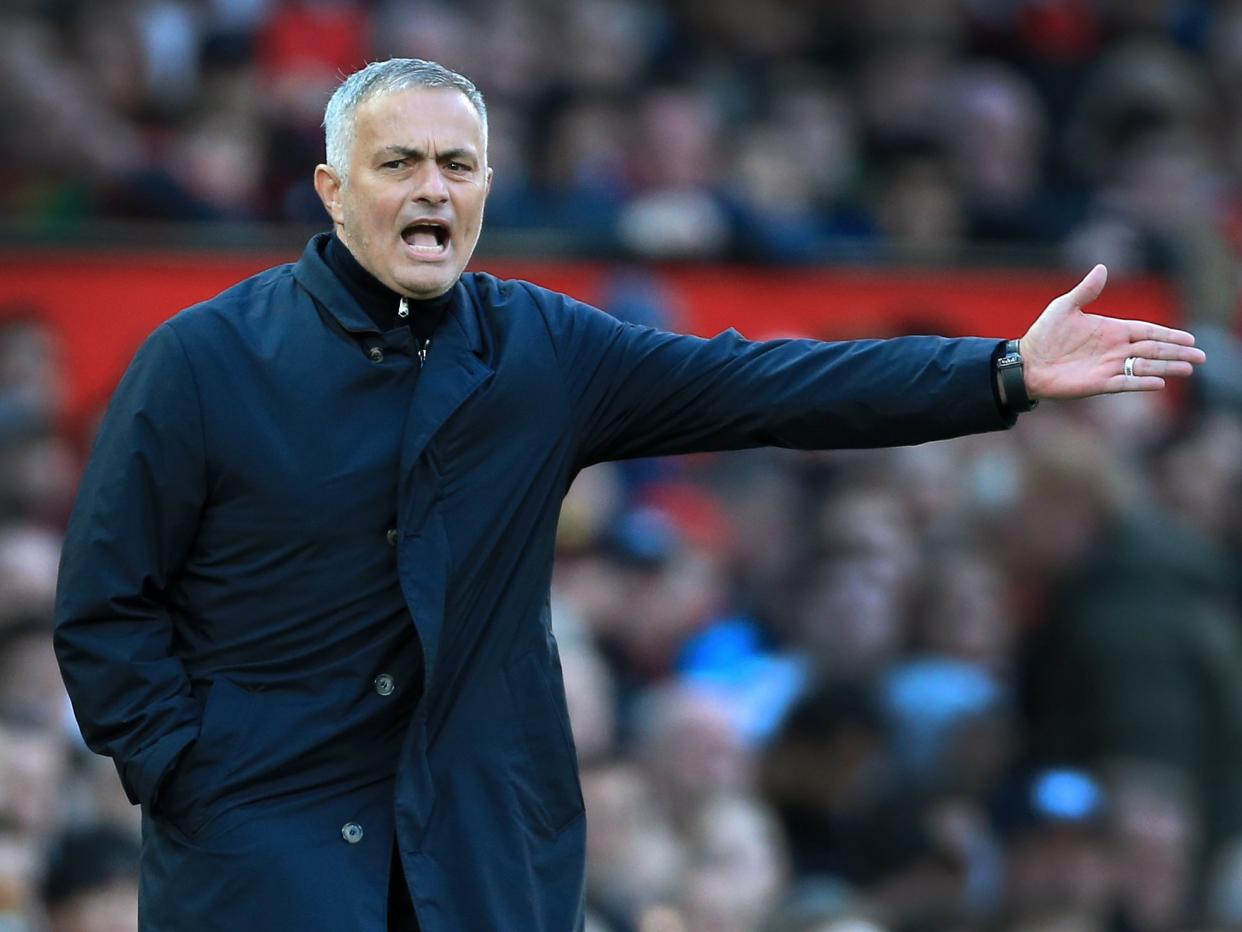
(487, 185)
(328, 187)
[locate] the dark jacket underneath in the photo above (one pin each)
(277, 490)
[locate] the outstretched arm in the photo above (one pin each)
(636, 391)
(1069, 353)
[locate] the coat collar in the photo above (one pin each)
(455, 369)
(313, 274)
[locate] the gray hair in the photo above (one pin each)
(377, 79)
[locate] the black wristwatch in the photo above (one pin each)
(1012, 381)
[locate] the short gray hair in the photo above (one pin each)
(377, 79)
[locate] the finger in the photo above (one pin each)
(1155, 349)
(1142, 330)
(1134, 383)
(1162, 367)
(1090, 287)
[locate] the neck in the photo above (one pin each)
(377, 299)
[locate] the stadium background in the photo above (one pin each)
(993, 684)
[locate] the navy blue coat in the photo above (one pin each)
(277, 490)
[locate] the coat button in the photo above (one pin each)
(376, 354)
(351, 832)
(392, 537)
(385, 684)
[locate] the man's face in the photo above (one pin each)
(412, 207)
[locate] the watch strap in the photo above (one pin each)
(1010, 369)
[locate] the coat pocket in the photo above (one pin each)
(191, 795)
(546, 770)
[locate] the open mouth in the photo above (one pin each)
(428, 238)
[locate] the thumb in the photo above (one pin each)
(1090, 287)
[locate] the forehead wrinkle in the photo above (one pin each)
(406, 151)
(417, 152)
(388, 116)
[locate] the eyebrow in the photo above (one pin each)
(413, 152)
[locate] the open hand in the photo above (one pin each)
(1072, 354)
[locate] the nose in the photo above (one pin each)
(429, 186)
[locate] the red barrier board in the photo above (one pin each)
(101, 304)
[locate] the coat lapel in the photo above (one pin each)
(453, 372)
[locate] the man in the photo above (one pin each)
(303, 600)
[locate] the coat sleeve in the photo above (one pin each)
(636, 391)
(132, 525)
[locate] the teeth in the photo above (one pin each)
(426, 237)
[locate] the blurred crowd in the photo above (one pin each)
(771, 130)
(990, 685)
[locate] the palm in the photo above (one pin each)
(1072, 354)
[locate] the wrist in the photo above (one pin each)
(1011, 379)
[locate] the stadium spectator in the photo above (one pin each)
(91, 881)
